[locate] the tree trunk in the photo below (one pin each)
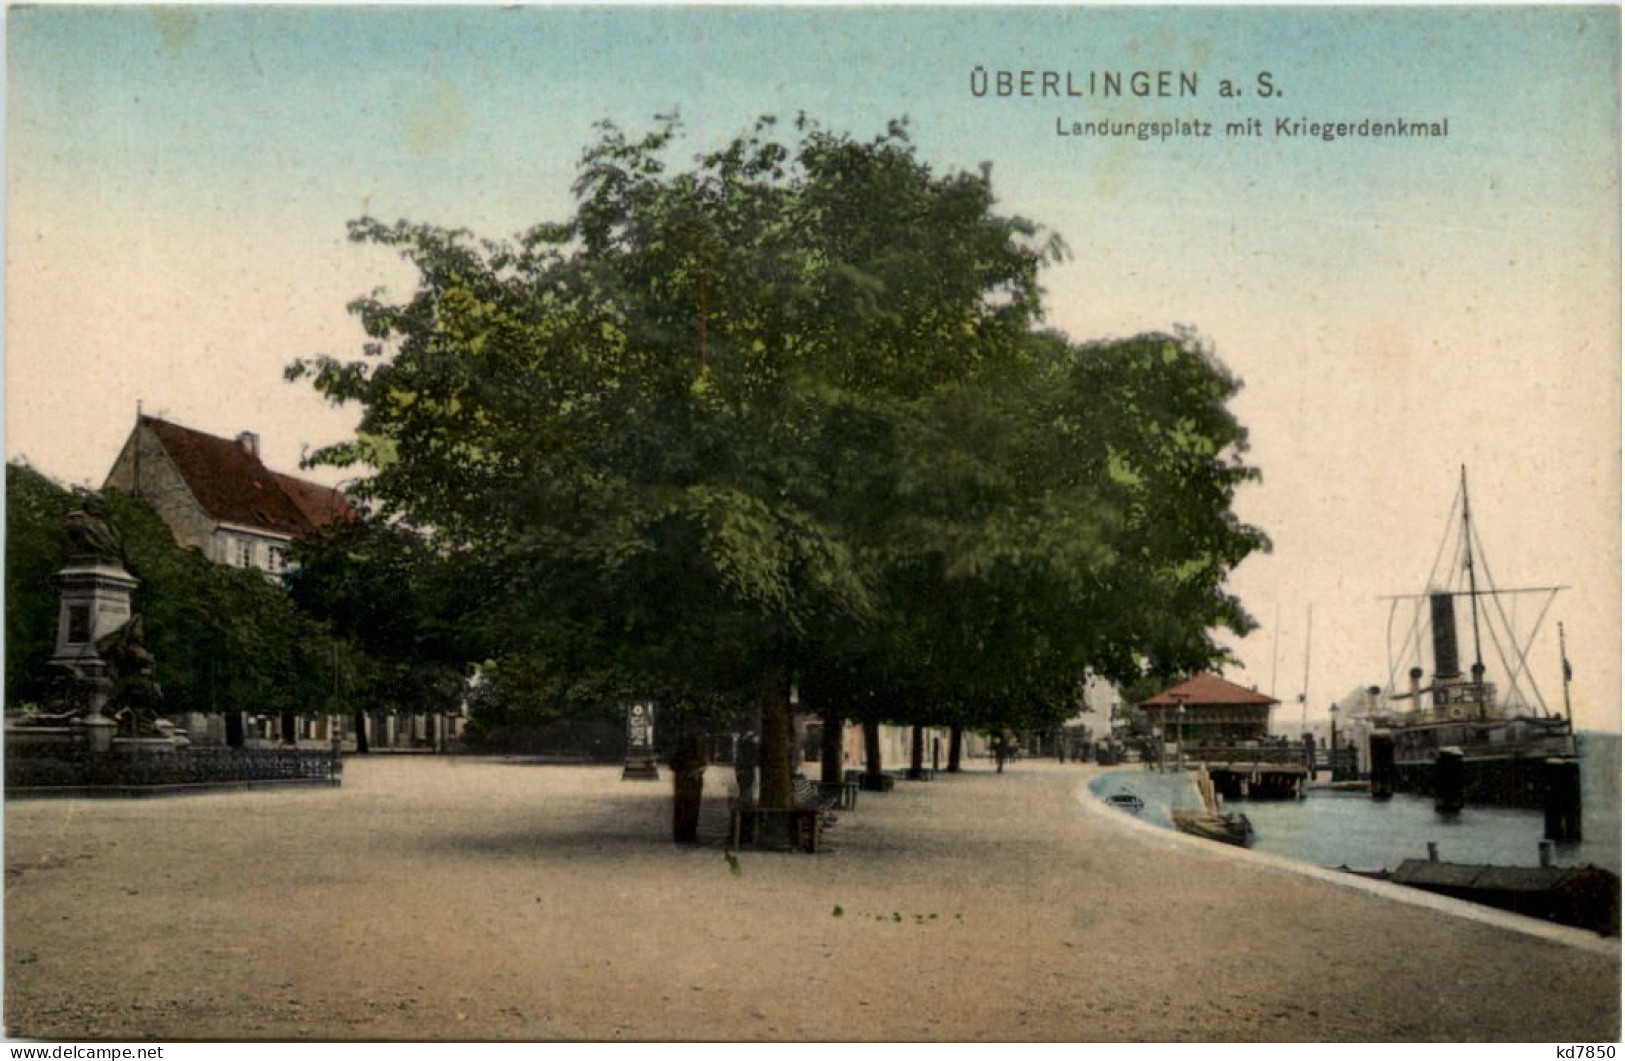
(748, 753)
(777, 790)
(688, 760)
(956, 746)
(290, 728)
(361, 745)
(832, 764)
(871, 747)
(234, 729)
(792, 746)
(916, 753)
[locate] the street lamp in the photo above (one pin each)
(1332, 758)
(1179, 713)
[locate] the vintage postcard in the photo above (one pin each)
(806, 523)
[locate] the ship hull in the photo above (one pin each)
(1505, 781)
(1504, 763)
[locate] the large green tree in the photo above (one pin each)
(1072, 516)
(786, 412)
(668, 416)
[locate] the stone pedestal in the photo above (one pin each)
(94, 601)
(99, 666)
(97, 732)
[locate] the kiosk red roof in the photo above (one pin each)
(1209, 689)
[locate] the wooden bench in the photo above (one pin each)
(844, 793)
(871, 783)
(804, 825)
(813, 794)
(813, 808)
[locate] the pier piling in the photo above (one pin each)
(1562, 799)
(1449, 781)
(1382, 766)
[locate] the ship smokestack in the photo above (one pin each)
(1445, 662)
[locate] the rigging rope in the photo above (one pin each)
(1456, 545)
(1416, 616)
(1523, 652)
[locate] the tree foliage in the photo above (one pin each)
(224, 638)
(411, 611)
(35, 550)
(790, 411)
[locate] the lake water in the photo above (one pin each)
(1349, 828)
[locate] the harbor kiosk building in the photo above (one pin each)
(1216, 712)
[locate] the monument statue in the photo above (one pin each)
(103, 691)
(90, 539)
(134, 699)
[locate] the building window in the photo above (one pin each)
(245, 552)
(276, 559)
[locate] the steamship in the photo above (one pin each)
(1461, 737)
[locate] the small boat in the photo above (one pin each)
(1369, 874)
(1126, 800)
(1584, 896)
(1225, 828)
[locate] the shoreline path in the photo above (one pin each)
(437, 898)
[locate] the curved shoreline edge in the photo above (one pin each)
(1269, 861)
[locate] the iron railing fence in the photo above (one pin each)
(54, 767)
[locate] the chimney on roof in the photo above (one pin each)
(250, 443)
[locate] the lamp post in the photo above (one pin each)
(1332, 758)
(1179, 713)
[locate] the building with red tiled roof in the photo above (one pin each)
(216, 494)
(1216, 711)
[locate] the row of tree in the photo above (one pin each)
(787, 415)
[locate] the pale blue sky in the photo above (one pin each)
(424, 107)
(179, 180)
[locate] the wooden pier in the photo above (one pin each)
(1257, 773)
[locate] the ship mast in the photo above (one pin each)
(1480, 692)
(1568, 674)
(1472, 582)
